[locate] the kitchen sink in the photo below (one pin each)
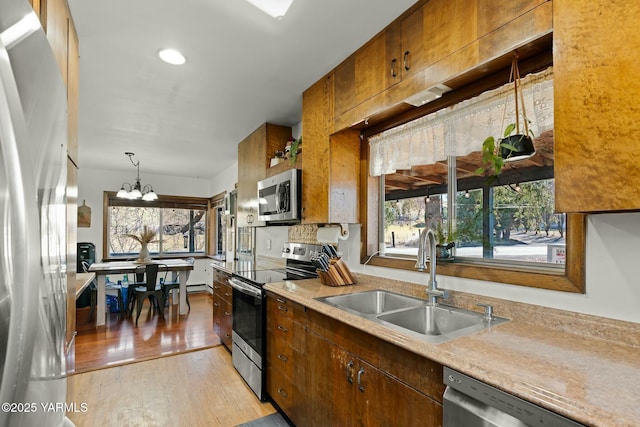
(413, 316)
(438, 321)
(431, 320)
(372, 302)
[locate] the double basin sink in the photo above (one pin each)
(413, 316)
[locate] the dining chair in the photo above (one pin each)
(168, 286)
(111, 288)
(148, 289)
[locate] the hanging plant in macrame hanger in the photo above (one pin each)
(511, 146)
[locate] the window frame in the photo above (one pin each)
(163, 201)
(215, 203)
(571, 280)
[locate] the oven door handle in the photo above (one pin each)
(244, 288)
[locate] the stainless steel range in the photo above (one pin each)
(249, 311)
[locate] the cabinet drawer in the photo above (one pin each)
(284, 307)
(227, 293)
(223, 290)
(281, 356)
(291, 332)
(282, 391)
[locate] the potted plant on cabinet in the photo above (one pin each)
(295, 149)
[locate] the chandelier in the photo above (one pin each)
(136, 191)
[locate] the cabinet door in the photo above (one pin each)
(368, 71)
(251, 169)
(254, 153)
(448, 25)
(317, 114)
(57, 30)
(73, 96)
(382, 400)
(412, 46)
(331, 164)
(329, 381)
(596, 114)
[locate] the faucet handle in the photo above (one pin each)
(488, 311)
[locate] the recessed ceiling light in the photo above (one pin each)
(171, 56)
(275, 8)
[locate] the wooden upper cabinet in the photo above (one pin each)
(596, 115)
(331, 163)
(412, 46)
(448, 25)
(57, 29)
(433, 42)
(364, 74)
(492, 14)
(254, 154)
(63, 38)
(73, 95)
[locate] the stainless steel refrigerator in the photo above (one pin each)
(33, 135)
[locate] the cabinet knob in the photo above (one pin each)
(282, 308)
(282, 328)
(393, 67)
(284, 358)
(406, 60)
(349, 372)
(282, 392)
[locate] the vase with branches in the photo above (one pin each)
(144, 238)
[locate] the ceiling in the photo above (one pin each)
(243, 68)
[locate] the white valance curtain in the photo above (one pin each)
(460, 129)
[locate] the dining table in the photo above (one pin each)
(103, 269)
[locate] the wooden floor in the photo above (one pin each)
(199, 388)
(120, 341)
(185, 376)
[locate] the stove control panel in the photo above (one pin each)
(300, 251)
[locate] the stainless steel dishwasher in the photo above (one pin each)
(471, 403)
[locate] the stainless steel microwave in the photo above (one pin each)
(279, 197)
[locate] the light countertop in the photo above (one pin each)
(82, 281)
(586, 374)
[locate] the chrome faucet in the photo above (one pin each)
(427, 237)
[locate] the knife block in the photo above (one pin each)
(337, 275)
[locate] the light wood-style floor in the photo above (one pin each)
(199, 388)
(171, 372)
(120, 341)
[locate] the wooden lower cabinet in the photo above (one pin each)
(348, 391)
(322, 372)
(285, 356)
(222, 307)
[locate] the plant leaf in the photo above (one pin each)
(509, 147)
(509, 129)
(489, 144)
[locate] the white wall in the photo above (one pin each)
(269, 240)
(225, 180)
(93, 182)
(612, 279)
